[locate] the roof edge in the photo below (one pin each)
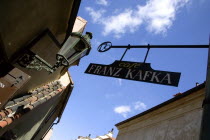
(72, 18)
(186, 93)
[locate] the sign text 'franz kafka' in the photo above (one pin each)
(135, 71)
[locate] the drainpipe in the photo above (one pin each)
(59, 118)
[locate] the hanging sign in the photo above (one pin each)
(135, 71)
(11, 83)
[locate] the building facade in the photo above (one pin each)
(108, 136)
(176, 119)
(34, 90)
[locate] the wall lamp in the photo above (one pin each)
(75, 47)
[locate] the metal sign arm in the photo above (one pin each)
(163, 46)
(108, 45)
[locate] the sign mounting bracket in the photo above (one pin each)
(147, 53)
(125, 52)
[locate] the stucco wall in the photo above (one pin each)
(79, 25)
(179, 120)
(23, 20)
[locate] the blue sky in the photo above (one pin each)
(97, 103)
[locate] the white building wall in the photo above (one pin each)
(49, 135)
(79, 25)
(179, 120)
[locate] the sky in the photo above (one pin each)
(98, 103)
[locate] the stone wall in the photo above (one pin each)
(179, 120)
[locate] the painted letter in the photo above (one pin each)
(138, 74)
(98, 68)
(147, 74)
(155, 76)
(103, 71)
(110, 71)
(91, 68)
(117, 73)
(121, 64)
(129, 74)
(167, 77)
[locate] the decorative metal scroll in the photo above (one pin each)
(104, 46)
(31, 61)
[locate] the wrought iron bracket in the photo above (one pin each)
(105, 46)
(32, 61)
(108, 45)
(125, 52)
(147, 53)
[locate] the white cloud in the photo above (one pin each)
(95, 15)
(122, 110)
(157, 15)
(102, 2)
(134, 107)
(139, 106)
(121, 23)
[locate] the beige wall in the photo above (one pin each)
(49, 134)
(179, 120)
(24, 20)
(79, 25)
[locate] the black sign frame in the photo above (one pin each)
(135, 71)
